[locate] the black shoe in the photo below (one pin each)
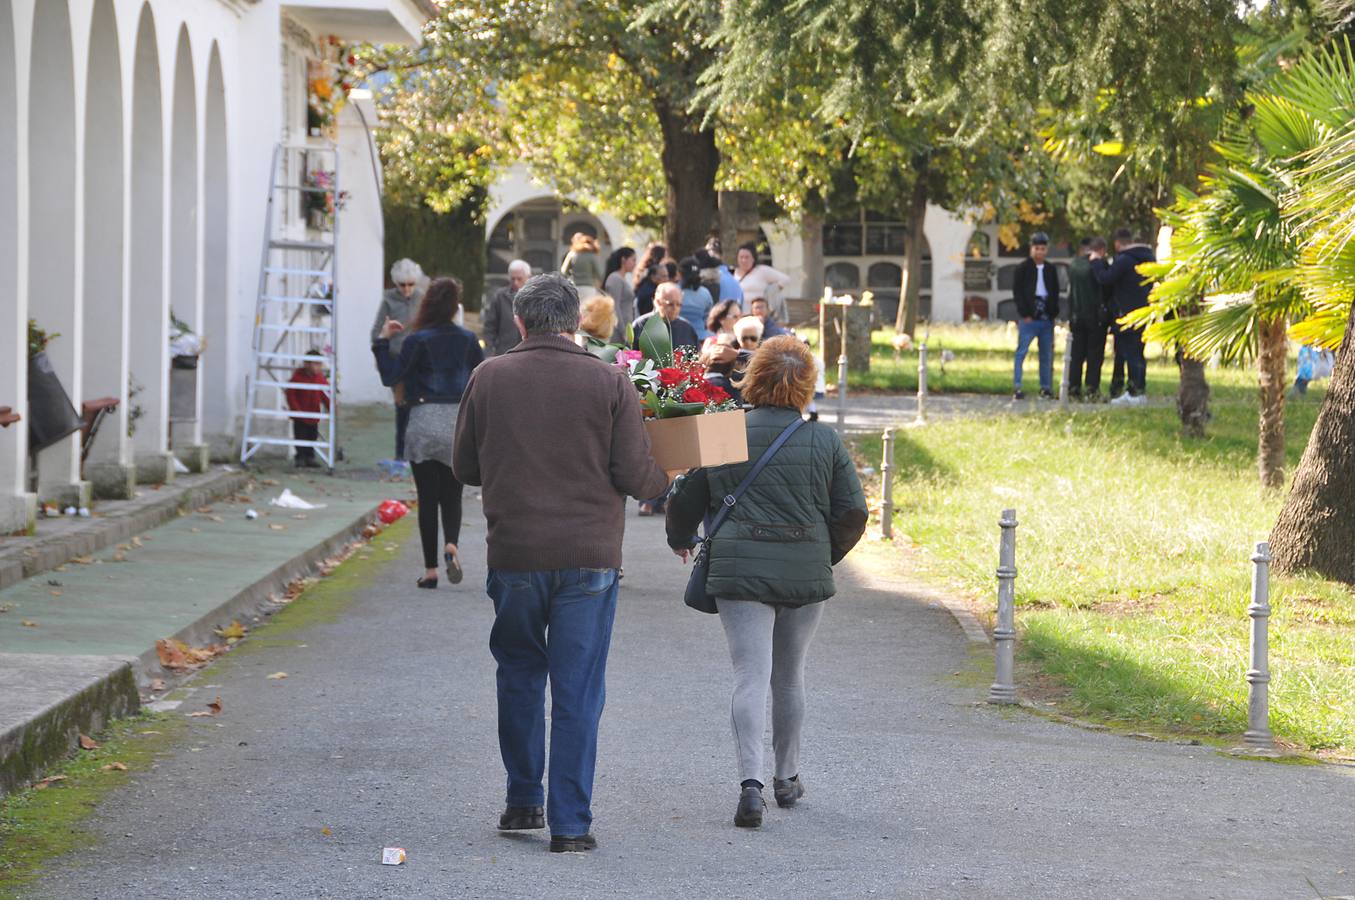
(522, 818)
(1018, 394)
(560, 843)
(427, 583)
(1045, 394)
(454, 573)
(751, 805)
(788, 791)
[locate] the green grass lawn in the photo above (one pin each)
(1133, 557)
(982, 364)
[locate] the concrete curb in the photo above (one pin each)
(33, 556)
(252, 603)
(109, 688)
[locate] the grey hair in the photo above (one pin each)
(405, 271)
(749, 325)
(548, 304)
(520, 265)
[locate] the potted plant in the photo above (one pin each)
(691, 422)
(51, 415)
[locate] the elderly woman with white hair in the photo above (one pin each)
(496, 319)
(399, 303)
(748, 331)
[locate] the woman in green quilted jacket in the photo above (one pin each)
(771, 563)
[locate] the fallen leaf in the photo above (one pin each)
(215, 707)
(271, 482)
(148, 732)
(114, 767)
(325, 831)
(276, 527)
(119, 557)
(200, 714)
(136, 541)
(300, 516)
(88, 743)
(28, 624)
(204, 509)
(55, 593)
(49, 781)
(157, 684)
(194, 530)
(278, 676)
(82, 560)
(176, 654)
(232, 632)
(216, 518)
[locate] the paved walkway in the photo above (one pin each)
(384, 734)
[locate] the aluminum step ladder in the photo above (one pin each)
(296, 313)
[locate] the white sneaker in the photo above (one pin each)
(1122, 400)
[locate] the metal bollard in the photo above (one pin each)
(1003, 689)
(1258, 734)
(1067, 367)
(922, 382)
(887, 487)
(842, 388)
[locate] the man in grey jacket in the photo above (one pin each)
(497, 327)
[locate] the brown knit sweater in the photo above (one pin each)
(555, 437)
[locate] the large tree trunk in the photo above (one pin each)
(1270, 428)
(690, 163)
(906, 321)
(1192, 398)
(1316, 527)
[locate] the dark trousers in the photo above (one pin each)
(1117, 373)
(1129, 344)
(439, 497)
(305, 430)
(1089, 349)
(558, 625)
(401, 423)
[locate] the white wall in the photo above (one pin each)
(360, 259)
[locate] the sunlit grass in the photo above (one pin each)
(1133, 557)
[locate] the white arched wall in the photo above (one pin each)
(53, 223)
(516, 187)
(185, 238)
(15, 504)
(217, 413)
(105, 341)
(149, 313)
(947, 236)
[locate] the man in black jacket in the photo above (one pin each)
(668, 306)
(1129, 292)
(1036, 290)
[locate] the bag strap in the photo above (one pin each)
(727, 506)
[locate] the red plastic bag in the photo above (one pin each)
(391, 510)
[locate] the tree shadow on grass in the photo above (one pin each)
(1106, 682)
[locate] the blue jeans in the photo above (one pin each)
(558, 624)
(1027, 332)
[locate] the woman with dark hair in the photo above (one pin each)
(760, 280)
(617, 285)
(434, 364)
(771, 562)
(646, 278)
(696, 300)
(720, 322)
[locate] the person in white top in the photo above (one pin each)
(758, 280)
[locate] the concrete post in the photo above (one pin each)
(1258, 734)
(922, 383)
(1067, 367)
(887, 487)
(1003, 689)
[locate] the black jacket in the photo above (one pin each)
(682, 333)
(1023, 289)
(1130, 289)
(434, 363)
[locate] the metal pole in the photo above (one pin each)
(842, 376)
(1258, 676)
(1067, 367)
(922, 382)
(1003, 689)
(887, 487)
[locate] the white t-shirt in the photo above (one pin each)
(1040, 289)
(756, 282)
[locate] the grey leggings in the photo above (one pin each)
(768, 645)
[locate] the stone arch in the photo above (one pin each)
(105, 313)
(52, 267)
(185, 298)
(146, 258)
(217, 410)
(13, 365)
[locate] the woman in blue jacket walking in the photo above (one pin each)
(434, 364)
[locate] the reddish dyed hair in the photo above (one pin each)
(781, 373)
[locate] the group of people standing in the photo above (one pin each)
(1102, 288)
(555, 510)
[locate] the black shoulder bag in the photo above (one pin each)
(696, 596)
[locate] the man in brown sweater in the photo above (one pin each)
(555, 438)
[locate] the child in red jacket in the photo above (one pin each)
(302, 400)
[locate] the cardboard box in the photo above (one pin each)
(690, 442)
